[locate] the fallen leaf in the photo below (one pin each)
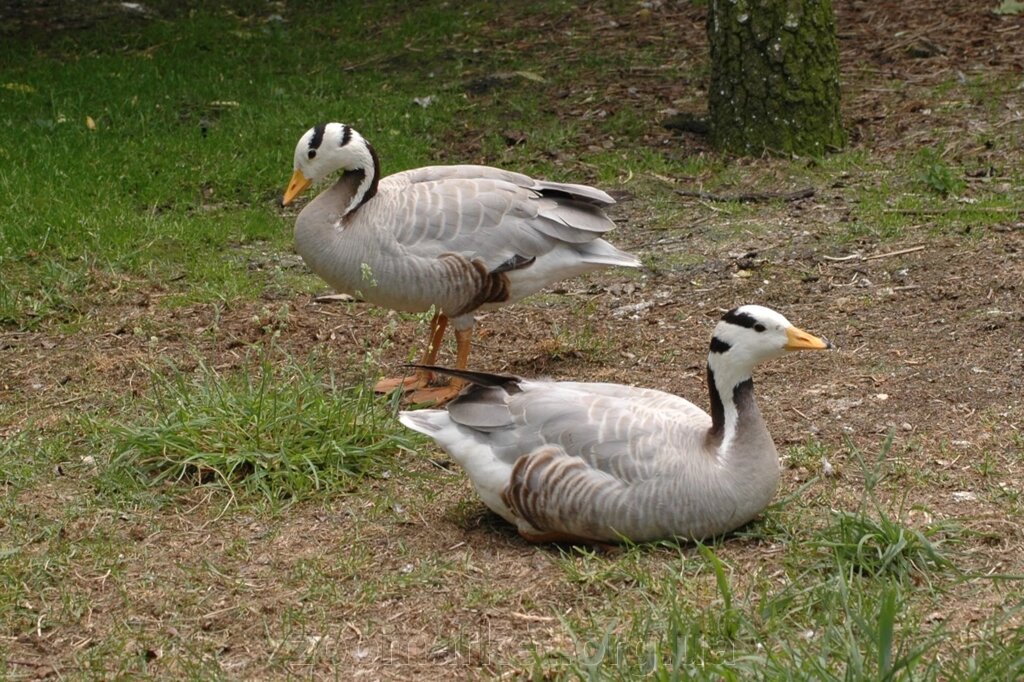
(89, 123)
(530, 76)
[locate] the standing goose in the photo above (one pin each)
(455, 238)
(587, 462)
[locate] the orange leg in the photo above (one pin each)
(442, 394)
(421, 378)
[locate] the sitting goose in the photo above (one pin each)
(455, 238)
(596, 463)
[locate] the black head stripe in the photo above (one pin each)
(739, 319)
(318, 135)
(719, 346)
(346, 135)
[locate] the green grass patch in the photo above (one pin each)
(870, 541)
(192, 122)
(935, 174)
(883, 546)
(698, 624)
(280, 429)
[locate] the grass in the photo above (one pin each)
(700, 625)
(188, 156)
(210, 506)
(279, 428)
(185, 160)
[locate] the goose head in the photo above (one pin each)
(326, 148)
(751, 334)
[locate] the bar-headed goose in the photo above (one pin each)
(585, 462)
(455, 238)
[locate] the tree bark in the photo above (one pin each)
(774, 77)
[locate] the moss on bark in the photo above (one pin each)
(774, 77)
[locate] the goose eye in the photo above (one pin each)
(758, 327)
(312, 153)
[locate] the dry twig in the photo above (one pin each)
(956, 209)
(860, 257)
(912, 249)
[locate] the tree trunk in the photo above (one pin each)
(774, 77)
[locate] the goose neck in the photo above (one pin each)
(365, 175)
(731, 392)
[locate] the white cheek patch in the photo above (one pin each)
(302, 152)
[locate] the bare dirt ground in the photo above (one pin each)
(929, 330)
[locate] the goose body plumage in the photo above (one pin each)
(456, 238)
(598, 462)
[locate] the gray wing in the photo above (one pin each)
(584, 193)
(624, 432)
(486, 213)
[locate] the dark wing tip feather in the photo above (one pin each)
(564, 190)
(506, 381)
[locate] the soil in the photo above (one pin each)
(928, 328)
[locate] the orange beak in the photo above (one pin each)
(798, 339)
(299, 183)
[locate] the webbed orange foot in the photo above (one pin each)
(421, 379)
(435, 395)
